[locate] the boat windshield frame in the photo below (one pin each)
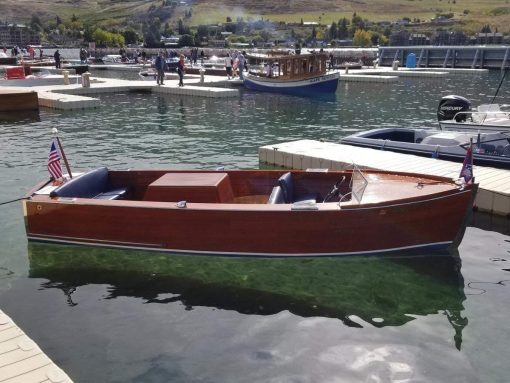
(358, 183)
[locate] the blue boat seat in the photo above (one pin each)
(276, 196)
(287, 185)
(93, 184)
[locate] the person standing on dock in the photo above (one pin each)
(228, 66)
(241, 59)
(180, 69)
(56, 56)
(160, 68)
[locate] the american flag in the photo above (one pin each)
(54, 163)
(467, 166)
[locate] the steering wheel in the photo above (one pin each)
(335, 191)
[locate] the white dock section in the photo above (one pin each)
(418, 73)
(494, 191)
(367, 78)
(75, 96)
(66, 101)
(21, 360)
(388, 75)
(120, 67)
(197, 91)
(448, 70)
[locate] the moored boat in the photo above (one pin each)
(252, 212)
(21, 76)
(489, 148)
(301, 74)
(455, 113)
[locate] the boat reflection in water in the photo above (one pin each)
(382, 291)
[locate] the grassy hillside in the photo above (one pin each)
(496, 13)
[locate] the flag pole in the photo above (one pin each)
(472, 155)
(55, 132)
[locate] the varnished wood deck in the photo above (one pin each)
(493, 195)
(21, 360)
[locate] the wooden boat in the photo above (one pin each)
(252, 212)
(301, 74)
(455, 113)
(489, 148)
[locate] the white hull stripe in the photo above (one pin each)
(133, 246)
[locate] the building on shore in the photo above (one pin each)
(17, 34)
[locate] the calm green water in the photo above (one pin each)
(126, 316)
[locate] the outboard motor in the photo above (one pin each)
(451, 105)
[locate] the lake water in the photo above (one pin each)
(132, 316)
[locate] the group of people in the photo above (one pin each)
(20, 52)
(140, 55)
(160, 65)
(235, 65)
(193, 57)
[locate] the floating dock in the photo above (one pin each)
(353, 77)
(74, 96)
(21, 360)
(390, 75)
(481, 56)
(493, 195)
(17, 99)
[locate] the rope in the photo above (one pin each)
(13, 200)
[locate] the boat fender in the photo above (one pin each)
(181, 204)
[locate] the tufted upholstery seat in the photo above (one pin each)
(286, 184)
(93, 184)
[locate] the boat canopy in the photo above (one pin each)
(295, 67)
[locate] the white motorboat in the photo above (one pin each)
(455, 113)
(489, 148)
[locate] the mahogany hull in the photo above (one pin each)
(255, 230)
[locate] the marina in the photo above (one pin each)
(268, 319)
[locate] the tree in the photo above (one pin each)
(202, 31)
(343, 31)
(180, 27)
(130, 36)
(167, 31)
(35, 23)
(151, 32)
(362, 38)
(186, 41)
(87, 33)
(333, 31)
(486, 29)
